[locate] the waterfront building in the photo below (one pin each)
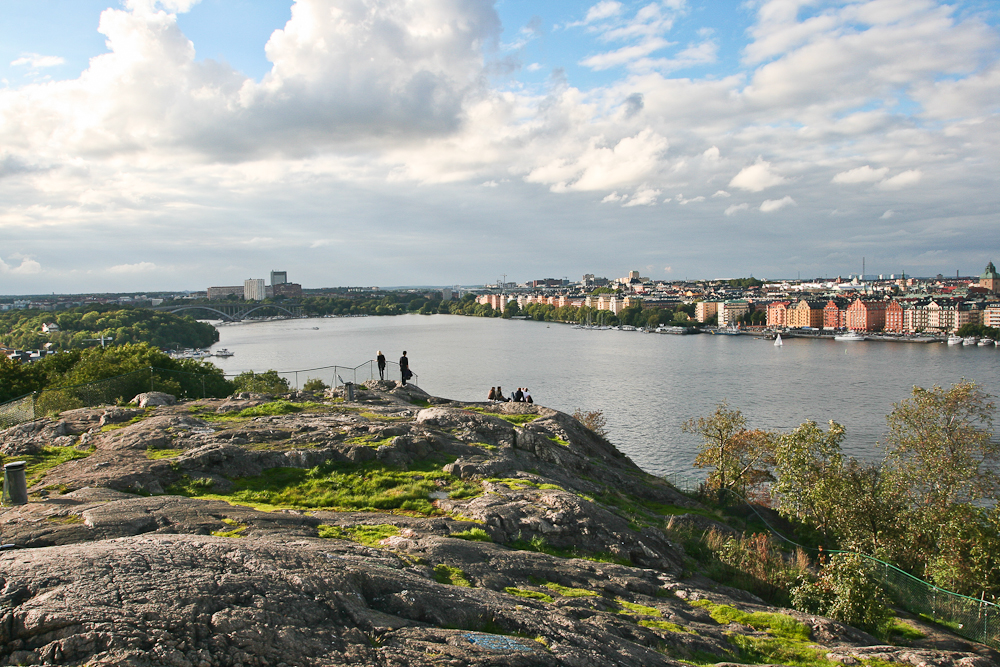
(865, 315)
(968, 312)
(835, 313)
(805, 313)
(990, 280)
(730, 312)
(777, 313)
(894, 317)
(705, 310)
(915, 317)
(289, 290)
(991, 315)
(942, 315)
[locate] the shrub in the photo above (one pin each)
(594, 420)
(846, 591)
(268, 382)
(315, 384)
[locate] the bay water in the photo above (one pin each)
(646, 385)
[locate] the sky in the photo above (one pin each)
(151, 145)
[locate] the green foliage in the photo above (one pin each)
(753, 563)
(445, 574)
(473, 535)
(740, 458)
(236, 529)
(778, 625)
(315, 384)
(271, 408)
(22, 329)
(369, 535)
(519, 420)
(847, 592)
(539, 545)
(39, 463)
(667, 626)
(163, 453)
(979, 330)
(122, 372)
(531, 595)
(268, 382)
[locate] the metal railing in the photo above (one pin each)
(337, 375)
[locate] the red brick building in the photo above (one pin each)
(894, 321)
(866, 315)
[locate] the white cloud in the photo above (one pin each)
(771, 205)
(27, 267)
(533, 67)
(888, 214)
(603, 10)
(863, 174)
(682, 201)
(613, 197)
(721, 193)
(736, 208)
(140, 267)
(488, 184)
(756, 177)
(643, 197)
(38, 61)
(901, 180)
(602, 167)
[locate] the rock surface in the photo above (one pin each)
(111, 569)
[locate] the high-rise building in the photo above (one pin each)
(254, 289)
(279, 278)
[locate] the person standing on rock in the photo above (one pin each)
(380, 359)
(404, 368)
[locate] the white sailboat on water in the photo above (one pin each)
(777, 341)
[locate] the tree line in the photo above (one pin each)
(928, 504)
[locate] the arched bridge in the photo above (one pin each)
(236, 312)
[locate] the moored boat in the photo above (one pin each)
(850, 336)
(971, 340)
(954, 340)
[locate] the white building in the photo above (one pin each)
(254, 289)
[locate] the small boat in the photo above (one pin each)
(983, 342)
(955, 340)
(777, 341)
(223, 353)
(971, 340)
(850, 336)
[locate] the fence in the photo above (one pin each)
(974, 619)
(338, 375)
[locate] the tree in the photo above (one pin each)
(808, 467)
(942, 442)
(268, 382)
(741, 458)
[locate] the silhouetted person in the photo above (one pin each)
(493, 394)
(404, 368)
(381, 365)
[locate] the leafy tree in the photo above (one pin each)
(268, 382)
(740, 458)
(315, 384)
(942, 441)
(808, 466)
(846, 591)
(511, 309)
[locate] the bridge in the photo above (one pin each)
(237, 312)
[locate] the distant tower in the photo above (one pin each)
(990, 280)
(279, 278)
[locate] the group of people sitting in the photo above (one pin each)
(520, 395)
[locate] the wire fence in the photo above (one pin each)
(978, 620)
(337, 375)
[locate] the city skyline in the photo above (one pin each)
(147, 148)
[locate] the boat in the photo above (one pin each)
(777, 341)
(730, 331)
(223, 353)
(971, 340)
(849, 336)
(983, 342)
(955, 340)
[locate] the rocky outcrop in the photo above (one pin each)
(552, 552)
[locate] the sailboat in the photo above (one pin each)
(777, 341)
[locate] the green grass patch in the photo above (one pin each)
(134, 420)
(568, 592)
(666, 626)
(531, 595)
(39, 463)
(487, 447)
(554, 487)
(380, 417)
(513, 483)
(235, 529)
(369, 486)
(640, 609)
(67, 519)
(419, 402)
(473, 535)
(517, 420)
(951, 625)
(368, 441)
(368, 535)
(779, 625)
(559, 441)
(445, 574)
(269, 409)
(900, 629)
(163, 453)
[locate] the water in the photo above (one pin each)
(646, 385)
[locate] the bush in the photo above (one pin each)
(268, 382)
(594, 420)
(846, 592)
(315, 384)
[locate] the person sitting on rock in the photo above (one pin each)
(527, 396)
(493, 394)
(517, 396)
(499, 395)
